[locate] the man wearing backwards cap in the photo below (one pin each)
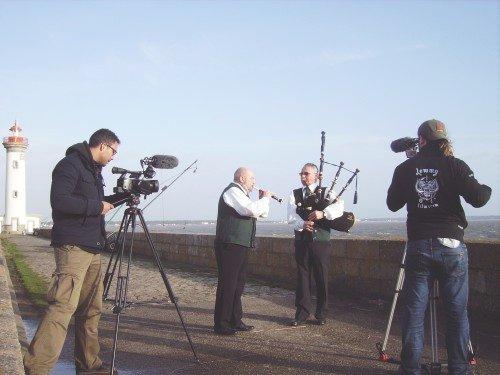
(430, 184)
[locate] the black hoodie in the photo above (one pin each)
(76, 197)
(430, 184)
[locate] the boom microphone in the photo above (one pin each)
(164, 161)
(403, 144)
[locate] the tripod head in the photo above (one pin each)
(133, 201)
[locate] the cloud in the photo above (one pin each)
(152, 79)
(157, 54)
(414, 47)
(334, 58)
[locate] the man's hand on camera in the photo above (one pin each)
(106, 207)
(316, 215)
(308, 226)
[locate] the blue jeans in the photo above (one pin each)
(426, 261)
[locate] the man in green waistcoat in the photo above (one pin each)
(235, 235)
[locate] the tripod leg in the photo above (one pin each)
(170, 291)
(122, 281)
(472, 355)
(399, 286)
(108, 277)
(433, 322)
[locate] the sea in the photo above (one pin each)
(479, 228)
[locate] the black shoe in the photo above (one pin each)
(297, 323)
(320, 321)
(243, 327)
(225, 331)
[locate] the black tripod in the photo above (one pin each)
(433, 368)
(127, 226)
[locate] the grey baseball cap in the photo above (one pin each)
(432, 130)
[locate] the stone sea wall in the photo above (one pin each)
(366, 267)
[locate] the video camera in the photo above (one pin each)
(131, 181)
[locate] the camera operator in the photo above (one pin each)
(235, 235)
(430, 184)
(78, 235)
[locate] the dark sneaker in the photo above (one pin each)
(320, 321)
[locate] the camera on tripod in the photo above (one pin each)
(140, 182)
(131, 181)
(120, 244)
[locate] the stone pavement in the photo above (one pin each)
(152, 341)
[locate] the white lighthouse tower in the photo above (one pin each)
(15, 219)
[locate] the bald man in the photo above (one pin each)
(235, 234)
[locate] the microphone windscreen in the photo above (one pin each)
(164, 161)
(403, 144)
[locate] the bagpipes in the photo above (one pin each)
(320, 200)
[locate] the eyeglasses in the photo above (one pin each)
(304, 173)
(112, 149)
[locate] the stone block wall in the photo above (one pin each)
(11, 358)
(367, 267)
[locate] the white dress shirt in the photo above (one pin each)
(331, 212)
(237, 199)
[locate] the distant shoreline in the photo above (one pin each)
(481, 228)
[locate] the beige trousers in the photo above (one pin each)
(76, 289)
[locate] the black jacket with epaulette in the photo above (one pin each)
(431, 184)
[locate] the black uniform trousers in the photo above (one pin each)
(313, 258)
(232, 264)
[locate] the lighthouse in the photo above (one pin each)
(15, 219)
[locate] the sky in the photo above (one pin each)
(251, 83)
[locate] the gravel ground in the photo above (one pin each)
(152, 341)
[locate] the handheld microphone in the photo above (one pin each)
(403, 144)
(276, 198)
(162, 161)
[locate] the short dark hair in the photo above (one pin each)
(103, 136)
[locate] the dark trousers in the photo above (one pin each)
(313, 258)
(232, 264)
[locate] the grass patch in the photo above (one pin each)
(35, 285)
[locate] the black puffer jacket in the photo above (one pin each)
(76, 197)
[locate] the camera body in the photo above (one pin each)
(132, 183)
(136, 186)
